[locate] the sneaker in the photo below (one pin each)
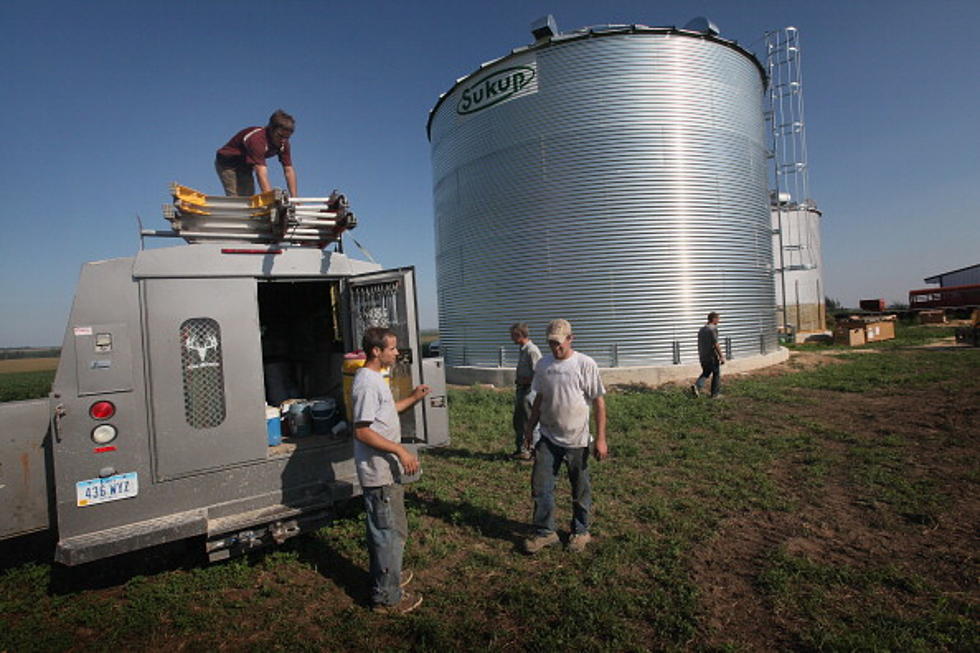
(522, 455)
(534, 544)
(405, 578)
(695, 390)
(578, 542)
(410, 601)
(718, 396)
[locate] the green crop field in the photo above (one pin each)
(15, 386)
(829, 503)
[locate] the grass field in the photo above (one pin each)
(830, 503)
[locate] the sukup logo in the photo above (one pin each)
(494, 88)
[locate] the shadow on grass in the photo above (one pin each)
(118, 570)
(463, 513)
(330, 563)
(448, 452)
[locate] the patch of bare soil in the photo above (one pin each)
(837, 521)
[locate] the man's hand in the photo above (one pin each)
(410, 463)
(528, 438)
(420, 391)
(601, 450)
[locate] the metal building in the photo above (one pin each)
(615, 176)
(958, 277)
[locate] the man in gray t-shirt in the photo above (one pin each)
(523, 395)
(381, 460)
(709, 353)
(568, 385)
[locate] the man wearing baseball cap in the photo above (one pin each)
(567, 384)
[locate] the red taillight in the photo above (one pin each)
(102, 410)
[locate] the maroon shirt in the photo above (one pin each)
(250, 147)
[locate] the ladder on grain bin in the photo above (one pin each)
(269, 218)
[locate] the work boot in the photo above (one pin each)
(578, 542)
(534, 544)
(410, 601)
(523, 456)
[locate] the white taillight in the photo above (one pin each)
(104, 434)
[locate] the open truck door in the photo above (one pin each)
(387, 299)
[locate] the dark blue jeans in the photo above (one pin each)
(523, 398)
(387, 530)
(710, 368)
(548, 458)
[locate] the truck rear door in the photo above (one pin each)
(205, 374)
(387, 299)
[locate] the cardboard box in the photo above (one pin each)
(846, 334)
(875, 331)
(932, 317)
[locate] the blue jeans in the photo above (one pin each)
(710, 368)
(523, 398)
(387, 530)
(547, 463)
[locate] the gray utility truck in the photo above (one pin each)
(156, 428)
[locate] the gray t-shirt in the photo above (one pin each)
(567, 389)
(374, 404)
(707, 338)
(528, 358)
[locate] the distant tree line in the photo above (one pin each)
(20, 352)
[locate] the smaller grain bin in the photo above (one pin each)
(797, 260)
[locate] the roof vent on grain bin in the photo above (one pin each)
(703, 25)
(544, 27)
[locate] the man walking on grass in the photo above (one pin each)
(523, 395)
(381, 460)
(710, 356)
(567, 384)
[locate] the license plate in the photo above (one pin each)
(101, 490)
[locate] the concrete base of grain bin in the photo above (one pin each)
(651, 376)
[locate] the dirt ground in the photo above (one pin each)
(835, 525)
(27, 365)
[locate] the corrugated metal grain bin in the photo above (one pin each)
(612, 176)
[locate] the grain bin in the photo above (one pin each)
(614, 176)
(797, 258)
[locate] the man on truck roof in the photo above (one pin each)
(247, 151)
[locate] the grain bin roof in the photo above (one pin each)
(590, 33)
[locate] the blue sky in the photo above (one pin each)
(106, 103)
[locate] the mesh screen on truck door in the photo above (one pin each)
(201, 365)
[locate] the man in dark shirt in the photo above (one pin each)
(710, 356)
(247, 151)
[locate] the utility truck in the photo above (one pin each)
(163, 419)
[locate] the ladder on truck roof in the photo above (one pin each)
(272, 217)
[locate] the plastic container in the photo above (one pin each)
(324, 415)
(273, 425)
(298, 418)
